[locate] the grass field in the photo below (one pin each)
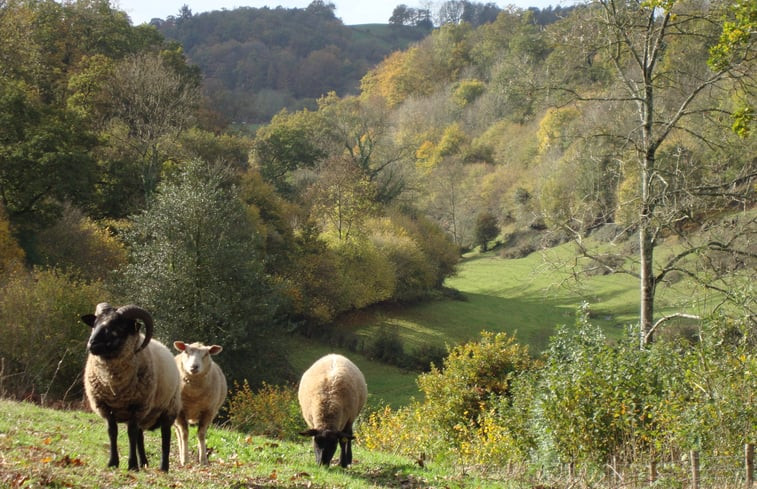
(524, 297)
(50, 448)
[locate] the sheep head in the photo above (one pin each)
(195, 357)
(111, 328)
(325, 443)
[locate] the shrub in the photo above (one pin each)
(387, 347)
(195, 267)
(404, 431)
(272, 411)
(42, 340)
(367, 276)
(467, 403)
(79, 246)
(413, 270)
(441, 254)
(11, 254)
(474, 374)
(487, 229)
(423, 357)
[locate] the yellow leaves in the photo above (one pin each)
(554, 128)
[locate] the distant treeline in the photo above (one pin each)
(256, 61)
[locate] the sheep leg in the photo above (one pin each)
(345, 444)
(142, 456)
(165, 439)
(202, 429)
(133, 431)
(113, 437)
(182, 435)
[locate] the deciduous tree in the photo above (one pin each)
(665, 94)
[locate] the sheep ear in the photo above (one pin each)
(215, 349)
(89, 320)
(179, 345)
(311, 432)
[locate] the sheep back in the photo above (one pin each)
(332, 392)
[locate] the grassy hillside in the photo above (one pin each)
(526, 297)
(48, 448)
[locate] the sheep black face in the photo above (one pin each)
(112, 327)
(325, 443)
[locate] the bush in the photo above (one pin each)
(413, 270)
(42, 340)
(273, 411)
(467, 403)
(487, 229)
(11, 254)
(366, 275)
(195, 267)
(441, 254)
(424, 356)
(474, 374)
(387, 347)
(79, 246)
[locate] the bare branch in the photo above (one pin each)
(665, 319)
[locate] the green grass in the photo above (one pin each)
(523, 297)
(526, 297)
(386, 383)
(50, 448)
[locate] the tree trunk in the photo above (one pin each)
(647, 284)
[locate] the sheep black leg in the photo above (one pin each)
(141, 449)
(345, 453)
(113, 437)
(134, 431)
(345, 443)
(165, 440)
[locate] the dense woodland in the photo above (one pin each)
(621, 124)
(256, 61)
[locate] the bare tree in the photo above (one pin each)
(665, 93)
(149, 103)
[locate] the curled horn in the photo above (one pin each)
(103, 307)
(135, 312)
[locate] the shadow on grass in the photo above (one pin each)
(532, 320)
(391, 475)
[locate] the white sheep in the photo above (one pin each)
(332, 392)
(203, 391)
(131, 378)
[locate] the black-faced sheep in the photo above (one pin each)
(131, 378)
(332, 392)
(203, 391)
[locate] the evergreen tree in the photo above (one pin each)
(195, 267)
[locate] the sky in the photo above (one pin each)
(350, 11)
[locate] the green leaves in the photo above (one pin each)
(736, 37)
(194, 264)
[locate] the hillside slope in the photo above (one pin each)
(50, 448)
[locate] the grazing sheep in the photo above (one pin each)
(131, 378)
(332, 392)
(203, 391)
